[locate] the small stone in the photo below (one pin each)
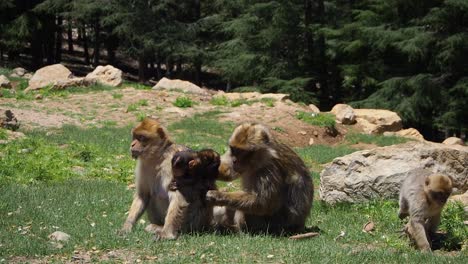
(302, 132)
(311, 141)
(38, 97)
(4, 82)
(270, 256)
(59, 236)
(316, 133)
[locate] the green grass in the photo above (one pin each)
(321, 119)
(183, 102)
(3, 134)
(68, 153)
(321, 154)
(91, 211)
(380, 140)
(270, 102)
(135, 85)
(117, 95)
(202, 131)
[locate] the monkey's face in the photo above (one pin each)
(439, 188)
(241, 159)
(145, 135)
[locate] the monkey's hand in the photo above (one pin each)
(172, 186)
(162, 235)
(126, 229)
(215, 197)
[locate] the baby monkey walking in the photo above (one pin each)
(422, 197)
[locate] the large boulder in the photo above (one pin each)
(4, 82)
(107, 75)
(377, 121)
(411, 133)
(378, 173)
(344, 114)
(49, 75)
(19, 71)
(453, 141)
(176, 84)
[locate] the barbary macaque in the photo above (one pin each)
(277, 190)
(153, 150)
(422, 198)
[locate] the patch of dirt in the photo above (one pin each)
(97, 108)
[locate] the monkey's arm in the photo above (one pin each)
(433, 223)
(136, 210)
(247, 202)
(175, 217)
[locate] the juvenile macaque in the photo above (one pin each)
(194, 173)
(153, 150)
(422, 197)
(277, 190)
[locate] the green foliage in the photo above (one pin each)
(219, 100)
(183, 102)
(270, 102)
(117, 95)
(453, 216)
(3, 134)
(132, 107)
(320, 119)
(379, 140)
(295, 88)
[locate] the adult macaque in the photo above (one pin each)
(153, 150)
(277, 190)
(422, 198)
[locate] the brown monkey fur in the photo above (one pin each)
(153, 150)
(422, 197)
(277, 190)
(194, 173)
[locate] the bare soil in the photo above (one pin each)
(97, 108)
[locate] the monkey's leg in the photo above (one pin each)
(247, 202)
(403, 212)
(418, 233)
(175, 217)
(136, 210)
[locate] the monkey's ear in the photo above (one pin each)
(161, 133)
(427, 181)
(193, 163)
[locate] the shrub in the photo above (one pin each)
(183, 102)
(219, 100)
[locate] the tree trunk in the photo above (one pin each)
(58, 40)
(322, 63)
(50, 29)
(96, 42)
(36, 50)
(308, 36)
(142, 68)
(85, 45)
(70, 36)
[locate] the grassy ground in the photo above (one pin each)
(74, 180)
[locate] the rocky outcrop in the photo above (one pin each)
(344, 114)
(453, 141)
(106, 75)
(176, 84)
(411, 133)
(4, 82)
(377, 121)
(18, 72)
(378, 173)
(49, 75)
(314, 109)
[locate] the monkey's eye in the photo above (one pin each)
(236, 151)
(142, 138)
